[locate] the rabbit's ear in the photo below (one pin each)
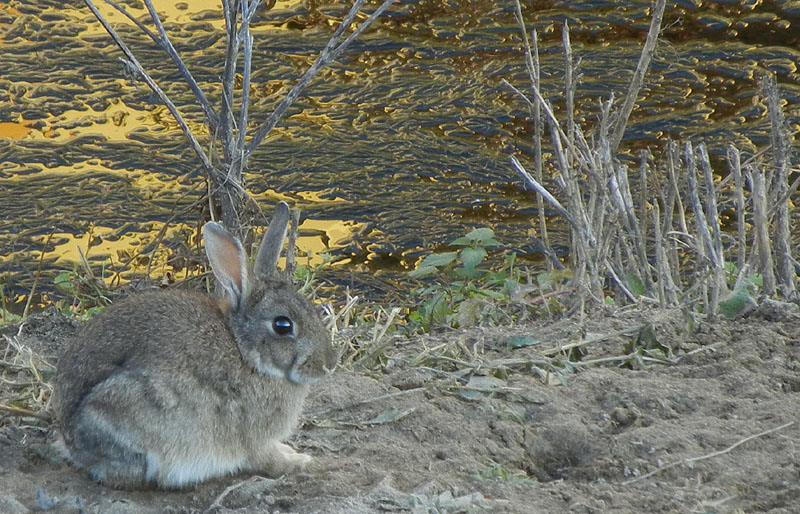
(271, 245)
(227, 259)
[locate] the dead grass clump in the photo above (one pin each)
(24, 387)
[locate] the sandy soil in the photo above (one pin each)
(492, 434)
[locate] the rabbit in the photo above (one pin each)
(170, 388)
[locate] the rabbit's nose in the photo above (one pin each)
(308, 367)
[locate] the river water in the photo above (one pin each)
(397, 149)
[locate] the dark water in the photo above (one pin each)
(401, 146)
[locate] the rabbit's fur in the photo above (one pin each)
(172, 387)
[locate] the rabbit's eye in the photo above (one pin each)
(282, 326)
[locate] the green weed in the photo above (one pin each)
(743, 291)
(498, 472)
(88, 295)
(467, 291)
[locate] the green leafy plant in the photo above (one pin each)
(743, 292)
(473, 251)
(89, 294)
(498, 472)
(466, 291)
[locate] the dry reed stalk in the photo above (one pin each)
(644, 172)
(673, 170)
(534, 73)
(762, 251)
(673, 204)
(705, 248)
(635, 86)
(569, 84)
(778, 192)
(711, 205)
(706, 255)
(537, 141)
(639, 255)
(662, 271)
(718, 284)
(668, 292)
(735, 166)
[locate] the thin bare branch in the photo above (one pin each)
(544, 192)
(638, 77)
(532, 64)
(329, 54)
(157, 90)
(135, 21)
(245, 108)
(569, 83)
(551, 117)
(166, 44)
(226, 119)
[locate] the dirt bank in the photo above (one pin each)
(463, 422)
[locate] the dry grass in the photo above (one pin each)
(24, 387)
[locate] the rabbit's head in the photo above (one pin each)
(278, 331)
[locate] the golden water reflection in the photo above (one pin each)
(13, 130)
(169, 11)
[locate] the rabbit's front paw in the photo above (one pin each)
(290, 459)
(279, 459)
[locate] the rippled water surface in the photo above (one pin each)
(400, 146)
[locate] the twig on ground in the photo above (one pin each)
(26, 413)
(217, 503)
(593, 340)
(709, 455)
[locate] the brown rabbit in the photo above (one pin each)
(170, 388)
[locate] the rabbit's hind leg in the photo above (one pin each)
(105, 452)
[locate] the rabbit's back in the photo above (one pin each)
(171, 331)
